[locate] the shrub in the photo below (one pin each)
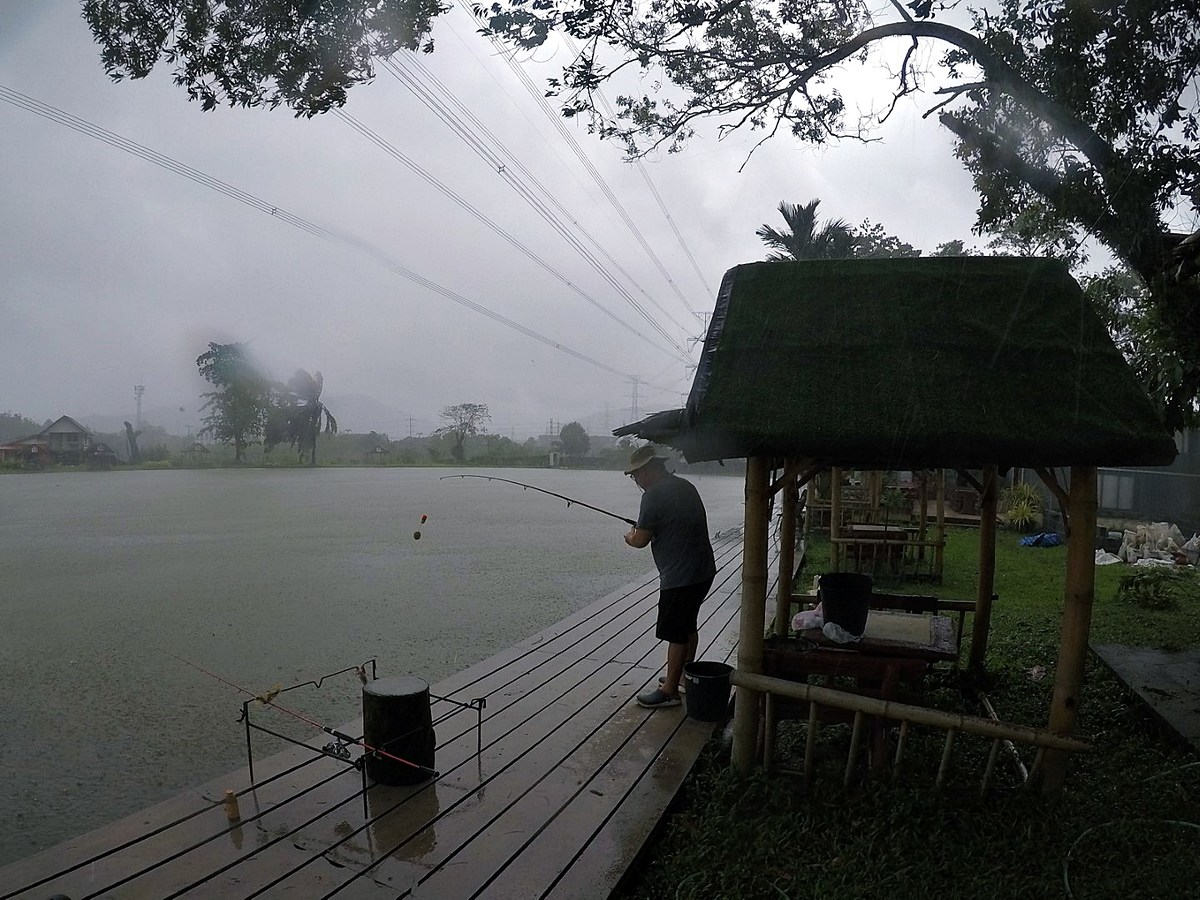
(1159, 588)
(1021, 507)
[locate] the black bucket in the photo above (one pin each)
(397, 719)
(846, 600)
(707, 694)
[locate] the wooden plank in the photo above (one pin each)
(627, 826)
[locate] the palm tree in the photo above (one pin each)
(803, 239)
(303, 413)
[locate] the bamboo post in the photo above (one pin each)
(787, 556)
(922, 520)
(753, 612)
(940, 550)
(835, 518)
(810, 746)
(947, 750)
(856, 734)
(1077, 620)
(987, 572)
(875, 495)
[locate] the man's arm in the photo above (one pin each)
(638, 537)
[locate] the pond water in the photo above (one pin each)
(109, 581)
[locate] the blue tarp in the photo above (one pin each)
(1046, 539)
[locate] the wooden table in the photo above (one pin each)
(896, 648)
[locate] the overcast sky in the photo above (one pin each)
(116, 272)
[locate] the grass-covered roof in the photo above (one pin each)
(912, 363)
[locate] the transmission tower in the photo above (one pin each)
(138, 390)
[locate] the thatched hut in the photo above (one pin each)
(972, 363)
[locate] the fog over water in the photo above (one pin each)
(109, 580)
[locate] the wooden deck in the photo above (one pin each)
(572, 778)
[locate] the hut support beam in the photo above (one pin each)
(835, 519)
(940, 550)
(753, 612)
(987, 571)
(787, 555)
(1076, 622)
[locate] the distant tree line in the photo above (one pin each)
(14, 426)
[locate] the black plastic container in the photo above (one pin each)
(707, 695)
(846, 600)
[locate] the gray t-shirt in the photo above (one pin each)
(673, 513)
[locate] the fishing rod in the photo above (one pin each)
(268, 699)
(570, 500)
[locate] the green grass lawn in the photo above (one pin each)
(1126, 826)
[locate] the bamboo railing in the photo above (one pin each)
(906, 714)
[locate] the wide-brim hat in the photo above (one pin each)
(641, 456)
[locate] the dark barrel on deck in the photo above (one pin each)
(397, 720)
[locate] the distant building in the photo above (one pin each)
(1167, 494)
(1152, 494)
(63, 441)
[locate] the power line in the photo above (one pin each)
(392, 151)
(439, 100)
(434, 95)
(574, 49)
(82, 126)
(507, 55)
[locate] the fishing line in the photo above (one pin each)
(571, 501)
(268, 699)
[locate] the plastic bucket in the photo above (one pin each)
(846, 600)
(707, 694)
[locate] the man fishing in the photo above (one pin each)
(673, 522)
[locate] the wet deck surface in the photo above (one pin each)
(1166, 681)
(572, 779)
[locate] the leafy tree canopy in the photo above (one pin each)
(462, 420)
(14, 425)
(574, 439)
(296, 414)
(1089, 108)
(805, 238)
(237, 409)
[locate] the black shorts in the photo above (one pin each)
(678, 609)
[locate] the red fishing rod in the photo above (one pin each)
(268, 699)
(570, 500)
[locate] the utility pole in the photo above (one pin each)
(138, 390)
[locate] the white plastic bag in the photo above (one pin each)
(808, 618)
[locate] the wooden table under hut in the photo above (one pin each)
(971, 364)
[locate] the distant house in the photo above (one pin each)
(63, 441)
(28, 451)
(102, 456)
